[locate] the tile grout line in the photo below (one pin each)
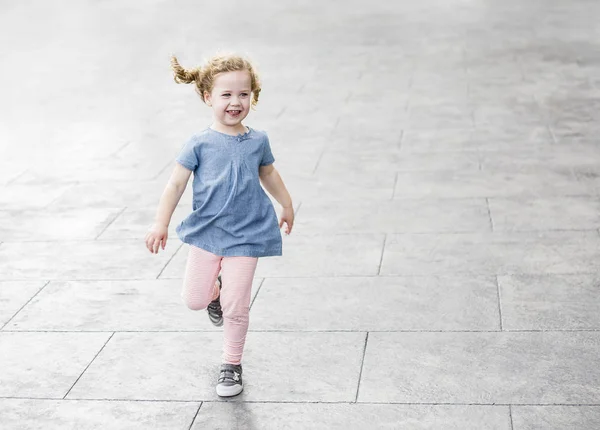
(319, 161)
(396, 176)
(338, 330)
(382, 252)
(362, 365)
(456, 274)
(489, 211)
(281, 112)
(499, 303)
(297, 210)
(21, 308)
(316, 402)
(401, 140)
(111, 222)
(70, 186)
(168, 261)
(161, 171)
(510, 416)
(89, 364)
(17, 177)
(122, 147)
(195, 416)
(257, 292)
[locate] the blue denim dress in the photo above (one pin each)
(232, 215)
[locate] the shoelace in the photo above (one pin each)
(229, 375)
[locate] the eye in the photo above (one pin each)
(225, 95)
(244, 94)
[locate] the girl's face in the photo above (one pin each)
(230, 98)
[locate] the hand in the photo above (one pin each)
(287, 217)
(156, 237)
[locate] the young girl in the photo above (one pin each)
(233, 221)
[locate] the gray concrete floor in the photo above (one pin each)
(443, 273)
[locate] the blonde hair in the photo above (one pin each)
(204, 76)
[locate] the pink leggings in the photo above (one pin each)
(200, 288)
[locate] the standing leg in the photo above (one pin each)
(199, 285)
(237, 274)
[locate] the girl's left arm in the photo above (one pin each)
(269, 177)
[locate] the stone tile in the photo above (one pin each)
(440, 140)
(82, 260)
(348, 255)
(511, 137)
(133, 223)
(464, 184)
(344, 141)
(15, 197)
(320, 416)
(408, 303)
(557, 213)
(116, 195)
(112, 306)
(14, 295)
(463, 161)
(443, 115)
(54, 225)
(369, 127)
(393, 216)
(330, 187)
(326, 366)
(298, 161)
(153, 366)
(550, 302)
(481, 368)
(27, 414)
(9, 172)
(334, 163)
(105, 169)
(143, 366)
(522, 113)
(577, 157)
(42, 365)
(489, 253)
(555, 417)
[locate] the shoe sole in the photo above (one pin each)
(229, 391)
(218, 323)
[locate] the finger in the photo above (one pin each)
(164, 243)
(281, 222)
(155, 246)
(148, 245)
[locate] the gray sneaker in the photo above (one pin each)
(215, 313)
(230, 380)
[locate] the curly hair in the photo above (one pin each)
(204, 76)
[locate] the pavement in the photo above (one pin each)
(444, 161)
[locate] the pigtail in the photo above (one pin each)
(183, 76)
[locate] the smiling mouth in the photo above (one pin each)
(234, 112)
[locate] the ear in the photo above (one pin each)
(207, 98)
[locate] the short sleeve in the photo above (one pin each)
(188, 156)
(267, 157)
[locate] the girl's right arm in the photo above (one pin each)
(158, 232)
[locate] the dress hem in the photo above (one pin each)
(276, 252)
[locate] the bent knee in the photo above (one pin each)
(197, 304)
(237, 314)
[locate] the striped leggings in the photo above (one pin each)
(200, 287)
